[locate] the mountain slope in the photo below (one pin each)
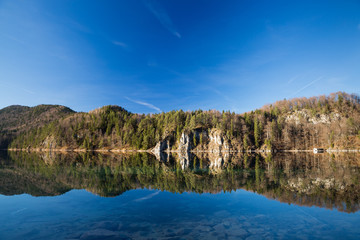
(302, 123)
(16, 119)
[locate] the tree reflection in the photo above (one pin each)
(329, 181)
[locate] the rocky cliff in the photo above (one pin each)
(196, 141)
(218, 142)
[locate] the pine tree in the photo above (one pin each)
(256, 132)
(193, 122)
(245, 142)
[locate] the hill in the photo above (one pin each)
(16, 119)
(301, 123)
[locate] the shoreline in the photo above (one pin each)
(77, 150)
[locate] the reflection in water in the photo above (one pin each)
(324, 180)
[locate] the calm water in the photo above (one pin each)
(302, 196)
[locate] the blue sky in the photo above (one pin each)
(152, 56)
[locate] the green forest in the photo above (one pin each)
(331, 121)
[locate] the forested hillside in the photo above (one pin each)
(15, 120)
(301, 123)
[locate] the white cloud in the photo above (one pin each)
(149, 105)
(161, 14)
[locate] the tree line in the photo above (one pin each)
(300, 123)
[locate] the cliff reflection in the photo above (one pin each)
(329, 181)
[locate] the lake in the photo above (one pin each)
(204, 196)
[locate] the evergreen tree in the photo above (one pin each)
(256, 132)
(194, 140)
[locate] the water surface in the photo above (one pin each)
(293, 196)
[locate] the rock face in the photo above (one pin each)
(161, 150)
(218, 142)
(215, 143)
(161, 146)
(305, 115)
(185, 142)
(49, 143)
(162, 156)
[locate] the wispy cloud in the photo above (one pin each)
(306, 86)
(220, 94)
(161, 14)
(11, 86)
(121, 44)
(292, 79)
(149, 105)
